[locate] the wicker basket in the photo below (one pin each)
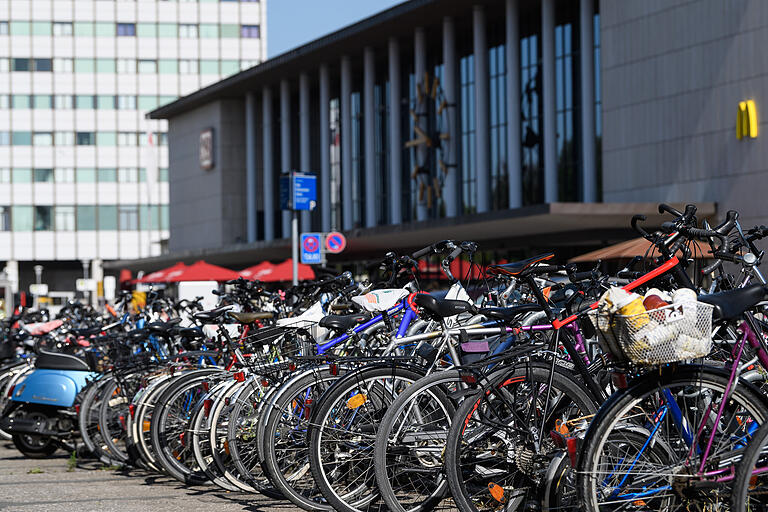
(665, 335)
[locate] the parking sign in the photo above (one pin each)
(310, 248)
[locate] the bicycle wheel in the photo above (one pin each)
(113, 415)
(501, 446)
(285, 449)
(88, 422)
(170, 424)
(343, 429)
(750, 486)
(408, 455)
(645, 447)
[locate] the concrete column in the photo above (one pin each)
(250, 167)
(346, 142)
(395, 135)
(285, 144)
(369, 132)
(268, 174)
(419, 69)
(548, 99)
(587, 71)
(304, 140)
(514, 139)
(325, 149)
(450, 88)
(482, 110)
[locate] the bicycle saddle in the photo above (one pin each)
(732, 303)
(55, 361)
(444, 308)
(510, 314)
(211, 315)
(514, 268)
(189, 332)
(249, 318)
(342, 322)
(87, 332)
(163, 327)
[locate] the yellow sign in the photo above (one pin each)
(746, 120)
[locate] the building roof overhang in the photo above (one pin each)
(551, 225)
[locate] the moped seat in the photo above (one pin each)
(55, 361)
(732, 303)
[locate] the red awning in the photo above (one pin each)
(258, 272)
(125, 275)
(159, 276)
(201, 271)
(284, 272)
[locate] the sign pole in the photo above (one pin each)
(295, 246)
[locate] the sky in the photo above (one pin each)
(291, 23)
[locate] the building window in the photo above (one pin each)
(162, 175)
(5, 215)
(105, 66)
(126, 29)
(64, 138)
(167, 30)
(146, 30)
(3, 28)
(107, 175)
(21, 101)
(566, 49)
(83, 28)
(41, 28)
(5, 64)
(85, 65)
(107, 218)
(358, 163)
(5, 138)
(147, 103)
(468, 150)
(62, 28)
(43, 175)
(531, 115)
(230, 30)
(498, 129)
(381, 145)
(20, 28)
(209, 67)
(43, 64)
(105, 102)
(42, 139)
(128, 175)
(5, 101)
(127, 139)
(22, 175)
(147, 66)
(22, 218)
(5, 175)
(22, 138)
(63, 65)
(250, 31)
(598, 109)
(86, 218)
(209, 30)
(188, 66)
(106, 139)
(187, 30)
(128, 218)
(229, 67)
(44, 101)
(21, 64)
(126, 102)
(86, 175)
(85, 102)
(247, 64)
(85, 138)
(126, 65)
(168, 66)
(64, 175)
(62, 102)
(65, 218)
(43, 218)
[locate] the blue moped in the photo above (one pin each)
(41, 415)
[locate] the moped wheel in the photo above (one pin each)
(33, 446)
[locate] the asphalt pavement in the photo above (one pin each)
(60, 484)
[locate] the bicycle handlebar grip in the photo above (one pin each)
(635, 219)
(454, 254)
(711, 268)
(666, 208)
(422, 252)
(725, 256)
(581, 276)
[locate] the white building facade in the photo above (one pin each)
(83, 173)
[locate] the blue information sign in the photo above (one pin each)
(304, 192)
(310, 248)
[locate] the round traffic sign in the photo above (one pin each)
(335, 242)
(311, 244)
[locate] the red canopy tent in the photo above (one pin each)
(258, 272)
(201, 271)
(284, 272)
(158, 276)
(125, 276)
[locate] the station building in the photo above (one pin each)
(521, 124)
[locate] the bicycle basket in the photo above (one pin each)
(665, 335)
